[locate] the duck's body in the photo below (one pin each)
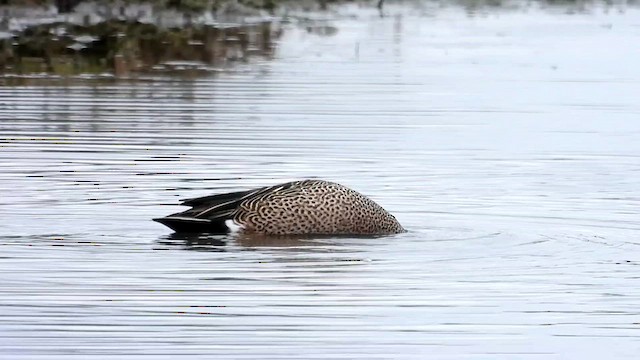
(294, 208)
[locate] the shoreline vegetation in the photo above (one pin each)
(126, 37)
(67, 6)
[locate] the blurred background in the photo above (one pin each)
(503, 135)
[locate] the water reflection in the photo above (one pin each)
(217, 242)
(122, 47)
(195, 241)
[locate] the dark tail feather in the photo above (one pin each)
(216, 199)
(193, 225)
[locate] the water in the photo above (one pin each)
(506, 142)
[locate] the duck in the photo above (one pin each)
(304, 207)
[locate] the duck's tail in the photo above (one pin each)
(207, 213)
(183, 224)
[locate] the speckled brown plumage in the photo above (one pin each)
(299, 207)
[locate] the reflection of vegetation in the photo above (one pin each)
(121, 47)
(182, 5)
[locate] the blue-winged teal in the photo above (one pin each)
(299, 207)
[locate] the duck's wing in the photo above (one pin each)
(207, 213)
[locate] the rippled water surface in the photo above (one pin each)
(508, 143)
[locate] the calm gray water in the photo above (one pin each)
(508, 143)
